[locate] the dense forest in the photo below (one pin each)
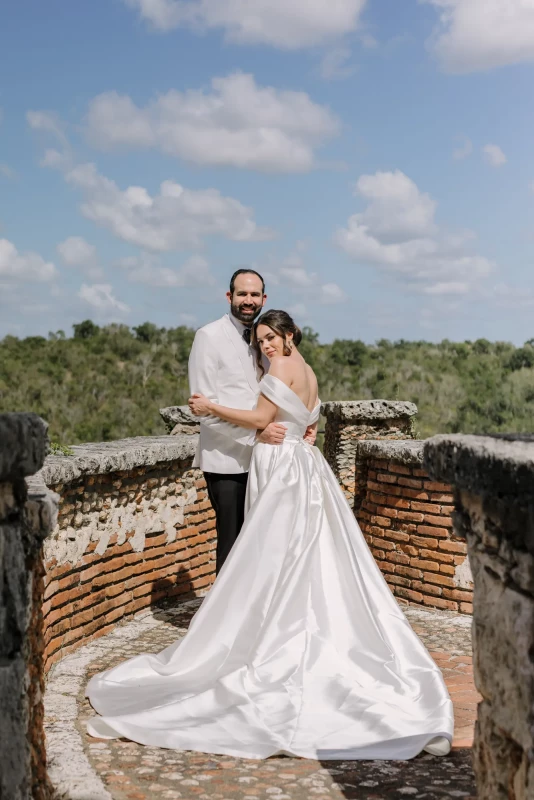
(108, 382)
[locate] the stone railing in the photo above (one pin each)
(494, 499)
(27, 514)
(135, 528)
(349, 422)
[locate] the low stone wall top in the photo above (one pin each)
(405, 451)
(23, 445)
(360, 410)
(484, 464)
(101, 458)
(179, 419)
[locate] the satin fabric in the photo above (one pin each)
(299, 648)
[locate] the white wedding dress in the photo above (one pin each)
(299, 647)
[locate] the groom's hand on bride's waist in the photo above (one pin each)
(274, 433)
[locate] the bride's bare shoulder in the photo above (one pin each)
(314, 386)
(311, 375)
(281, 368)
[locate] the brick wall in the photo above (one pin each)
(406, 519)
(125, 540)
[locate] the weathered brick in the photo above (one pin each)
(386, 567)
(458, 594)
(409, 572)
(439, 602)
(427, 588)
(441, 580)
(440, 521)
(434, 486)
(426, 508)
(397, 536)
(396, 580)
(386, 477)
(398, 468)
(412, 516)
(413, 494)
(409, 594)
(397, 558)
(383, 522)
(440, 497)
(435, 555)
(426, 530)
(425, 542)
(388, 512)
(453, 547)
(424, 565)
(411, 483)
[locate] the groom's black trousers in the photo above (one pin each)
(227, 496)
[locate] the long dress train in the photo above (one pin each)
(299, 647)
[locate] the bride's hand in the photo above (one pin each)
(199, 405)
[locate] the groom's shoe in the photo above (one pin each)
(438, 746)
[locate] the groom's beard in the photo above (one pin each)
(246, 317)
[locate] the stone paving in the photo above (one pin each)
(83, 768)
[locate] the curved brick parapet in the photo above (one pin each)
(405, 516)
(135, 528)
(493, 480)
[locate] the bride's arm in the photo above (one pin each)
(258, 418)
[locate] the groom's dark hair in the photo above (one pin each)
(245, 272)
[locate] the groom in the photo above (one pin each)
(222, 366)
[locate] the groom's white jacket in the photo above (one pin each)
(222, 367)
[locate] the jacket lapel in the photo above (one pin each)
(242, 351)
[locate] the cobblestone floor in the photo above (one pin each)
(122, 770)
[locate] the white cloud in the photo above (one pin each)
(100, 296)
(291, 274)
(48, 122)
(398, 211)
(237, 123)
(298, 311)
(481, 34)
(187, 319)
(15, 266)
(397, 234)
(336, 64)
(6, 171)
(78, 253)
(494, 155)
(174, 219)
(287, 24)
(194, 272)
(332, 294)
(464, 150)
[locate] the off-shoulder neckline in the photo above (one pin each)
(303, 404)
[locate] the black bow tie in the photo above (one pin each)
(246, 335)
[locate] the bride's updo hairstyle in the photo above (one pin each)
(280, 323)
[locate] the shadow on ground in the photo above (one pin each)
(425, 777)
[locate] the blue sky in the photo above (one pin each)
(373, 159)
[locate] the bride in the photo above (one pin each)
(299, 648)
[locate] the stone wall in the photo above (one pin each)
(27, 514)
(349, 422)
(135, 528)
(494, 501)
